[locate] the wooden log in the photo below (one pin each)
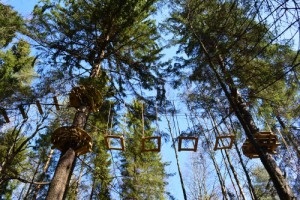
(39, 107)
(4, 113)
(24, 115)
(56, 103)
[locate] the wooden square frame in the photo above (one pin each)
(117, 137)
(182, 138)
(155, 149)
(218, 138)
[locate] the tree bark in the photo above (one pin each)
(245, 118)
(60, 179)
(67, 160)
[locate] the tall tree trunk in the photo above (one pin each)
(61, 176)
(67, 160)
(290, 138)
(245, 118)
(221, 180)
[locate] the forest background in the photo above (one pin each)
(187, 118)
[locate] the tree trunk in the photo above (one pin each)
(60, 179)
(244, 116)
(67, 160)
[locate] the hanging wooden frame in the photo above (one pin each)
(120, 139)
(192, 139)
(147, 140)
(39, 107)
(56, 103)
(222, 137)
(4, 114)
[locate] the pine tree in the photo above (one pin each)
(114, 40)
(228, 56)
(143, 172)
(16, 64)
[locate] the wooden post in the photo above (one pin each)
(56, 103)
(39, 107)
(3, 112)
(24, 115)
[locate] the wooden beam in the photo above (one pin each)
(24, 115)
(4, 113)
(56, 103)
(39, 107)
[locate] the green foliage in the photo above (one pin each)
(263, 185)
(16, 64)
(100, 177)
(10, 23)
(12, 159)
(143, 172)
(79, 35)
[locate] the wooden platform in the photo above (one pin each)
(74, 137)
(266, 140)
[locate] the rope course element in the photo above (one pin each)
(86, 95)
(220, 144)
(188, 139)
(4, 114)
(113, 142)
(55, 101)
(20, 107)
(24, 115)
(267, 140)
(76, 138)
(39, 107)
(150, 143)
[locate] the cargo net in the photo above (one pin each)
(66, 137)
(86, 96)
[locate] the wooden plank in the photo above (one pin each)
(22, 111)
(56, 103)
(37, 102)
(4, 114)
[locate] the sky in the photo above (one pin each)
(24, 7)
